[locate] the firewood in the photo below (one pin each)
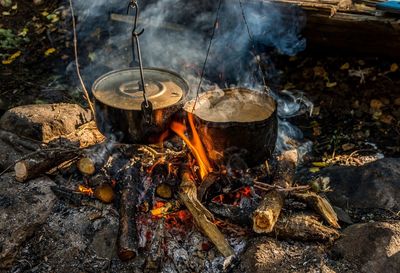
(303, 227)
(164, 191)
(321, 205)
(267, 213)
(86, 166)
(127, 237)
(202, 217)
(42, 161)
(105, 193)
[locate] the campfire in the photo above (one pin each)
(174, 187)
(172, 165)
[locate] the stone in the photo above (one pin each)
(44, 122)
(375, 247)
(23, 209)
(373, 185)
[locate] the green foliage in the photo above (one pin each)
(9, 40)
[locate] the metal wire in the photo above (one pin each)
(253, 46)
(207, 54)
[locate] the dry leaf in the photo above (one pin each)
(394, 67)
(376, 104)
(345, 66)
(331, 84)
(313, 169)
(12, 57)
(49, 51)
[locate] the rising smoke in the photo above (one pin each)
(177, 34)
(176, 37)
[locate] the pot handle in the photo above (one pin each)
(147, 107)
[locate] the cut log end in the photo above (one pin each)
(21, 171)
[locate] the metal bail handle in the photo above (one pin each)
(147, 107)
(147, 111)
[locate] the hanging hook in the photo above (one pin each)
(133, 5)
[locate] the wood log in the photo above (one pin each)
(42, 161)
(303, 227)
(267, 213)
(127, 241)
(321, 205)
(202, 217)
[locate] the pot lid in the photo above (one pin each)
(121, 88)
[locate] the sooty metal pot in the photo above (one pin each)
(118, 103)
(234, 137)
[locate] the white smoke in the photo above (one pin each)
(177, 34)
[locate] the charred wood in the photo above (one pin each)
(127, 242)
(321, 205)
(304, 227)
(202, 217)
(267, 213)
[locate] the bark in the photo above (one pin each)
(42, 161)
(304, 227)
(320, 205)
(127, 235)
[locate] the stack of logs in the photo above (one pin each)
(267, 218)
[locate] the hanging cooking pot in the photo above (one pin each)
(236, 124)
(119, 103)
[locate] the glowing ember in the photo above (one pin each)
(85, 190)
(195, 145)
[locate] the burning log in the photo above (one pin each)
(42, 161)
(304, 227)
(127, 236)
(320, 205)
(202, 217)
(267, 213)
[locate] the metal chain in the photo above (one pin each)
(207, 54)
(258, 60)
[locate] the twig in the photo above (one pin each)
(268, 187)
(76, 59)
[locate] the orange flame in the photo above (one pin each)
(85, 190)
(195, 145)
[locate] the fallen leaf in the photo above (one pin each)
(319, 164)
(376, 104)
(331, 84)
(6, 13)
(45, 13)
(23, 32)
(387, 119)
(313, 169)
(345, 66)
(394, 67)
(319, 71)
(12, 57)
(14, 7)
(49, 51)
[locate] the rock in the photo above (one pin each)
(44, 122)
(23, 208)
(373, 185)
(375, 247)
